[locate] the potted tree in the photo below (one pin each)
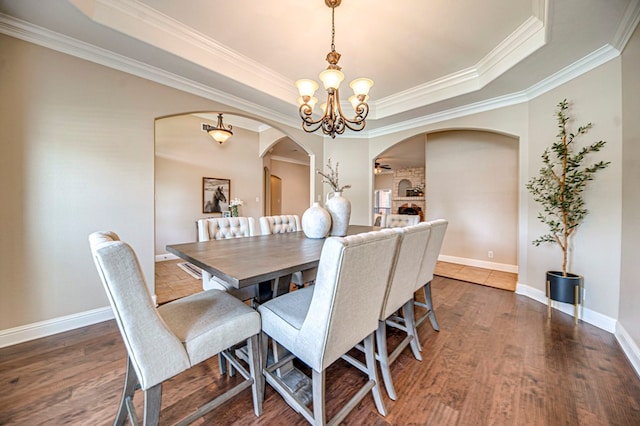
(559, 188)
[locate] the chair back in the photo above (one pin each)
(155, 352)
(350, 287)
(438, 229)
(399, 220)
(220, 228)
(280, 224)
(410, 253)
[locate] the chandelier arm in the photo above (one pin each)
(358, 122)
(310, 125)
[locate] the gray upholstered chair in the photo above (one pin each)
(400, 291)
(320, 323)
(438, 230)
(279, 225)
(163, 342)
(220, 228)
(399, 220)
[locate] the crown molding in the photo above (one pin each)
(29, 32)
(627, 26)
(581, 66)
(34, 34)
(525, 40)
(144, 23)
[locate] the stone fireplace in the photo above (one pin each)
(404, 198)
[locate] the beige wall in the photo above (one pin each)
(596, 97)
(383, 181)
(629, 315)
(295, 186)
(76, 156)
(184, 155)
(355, 169)
(472, 180)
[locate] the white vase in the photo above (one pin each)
(316, 221)
(340, 211)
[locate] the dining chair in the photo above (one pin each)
(400, 291)
(220, 228)
(438, 230)
(398, 220)
(281, 224)
(320, 323)
(165, 341)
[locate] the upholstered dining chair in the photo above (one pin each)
(400, 291)
(320, 323)
(398, 220)
(281, 224)
(220, 228)
(163, 342)
(438, 230)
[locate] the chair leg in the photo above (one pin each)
(318, 397)
(152, 402)
(383, 359)
(255, 369)
(222, 364)
(410, 324)
(429, 303)
(130, 383)
(369, 351)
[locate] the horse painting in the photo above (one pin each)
(214, 195)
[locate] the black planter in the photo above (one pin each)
(563, 288)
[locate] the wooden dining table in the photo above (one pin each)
(243, 262)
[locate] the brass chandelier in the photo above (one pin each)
(219, 132)
(333, 120)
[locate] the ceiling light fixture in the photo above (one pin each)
(333, 120)
(219, 133)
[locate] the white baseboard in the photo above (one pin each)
(479, 263)
(629, 347)
(13, 336)
(587, 315)
(166, 256)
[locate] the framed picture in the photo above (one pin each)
(215, 195)
(226, 214)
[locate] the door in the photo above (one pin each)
(276, 195)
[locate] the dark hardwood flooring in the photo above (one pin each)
(498, 360)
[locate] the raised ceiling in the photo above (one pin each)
(428, 58)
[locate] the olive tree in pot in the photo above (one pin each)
(559, 188)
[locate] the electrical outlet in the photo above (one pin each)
(490, 254)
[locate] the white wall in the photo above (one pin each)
(472, 180)
(184, 155)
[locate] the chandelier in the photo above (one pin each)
(333, 120)
(219, 133)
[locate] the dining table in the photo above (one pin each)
(247, 261)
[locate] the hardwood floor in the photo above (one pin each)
(483, 276)
(173, 283)
(497, 360)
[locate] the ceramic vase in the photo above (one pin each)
(316, 221)
(234, 211)
(340, 210)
